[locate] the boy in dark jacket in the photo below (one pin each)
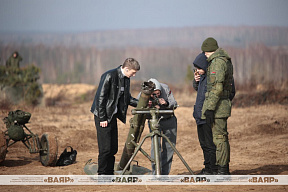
(110, 103)
(204, 131)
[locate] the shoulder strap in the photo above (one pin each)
(224, 59)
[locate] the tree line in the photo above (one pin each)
(259, 54)
(185, 37)
(252, 65)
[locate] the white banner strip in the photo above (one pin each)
(144, 180)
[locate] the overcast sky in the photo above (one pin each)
(91, 15)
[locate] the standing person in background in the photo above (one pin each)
(217, 105)
(204, 131)
(111, 102)
(167, 125)
(14, 60)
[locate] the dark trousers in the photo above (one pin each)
(209, 149)
(108, 146)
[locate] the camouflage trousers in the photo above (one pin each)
(220, 139)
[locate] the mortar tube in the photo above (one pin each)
(136, 125)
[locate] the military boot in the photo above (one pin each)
(215, 170)
(223, 170)
(206, 171)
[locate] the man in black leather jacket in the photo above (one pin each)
(111, 102)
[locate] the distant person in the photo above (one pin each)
(217, 104)
(14, 60)
(168, 126)
(111, 102)
(204, 131)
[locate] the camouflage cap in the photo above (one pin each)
(209, 45)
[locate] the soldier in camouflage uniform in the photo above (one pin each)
(14, 60)
(217, 105)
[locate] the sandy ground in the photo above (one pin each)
(258, 137)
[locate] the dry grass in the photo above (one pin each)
(256, 134)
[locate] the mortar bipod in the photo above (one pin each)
(155, 133)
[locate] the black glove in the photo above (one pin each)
(209, 117)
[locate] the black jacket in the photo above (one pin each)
(109, 96)
(201, 88)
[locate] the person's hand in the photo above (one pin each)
(196, 76)
(157, 106)
(209, 117)
(162, 101)
(103, 123)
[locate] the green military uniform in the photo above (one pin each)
(14, 61)
(219, 87)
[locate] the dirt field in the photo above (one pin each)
(258, 138)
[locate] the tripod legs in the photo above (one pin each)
(138, 147)
(155, 135)
(177, 152)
